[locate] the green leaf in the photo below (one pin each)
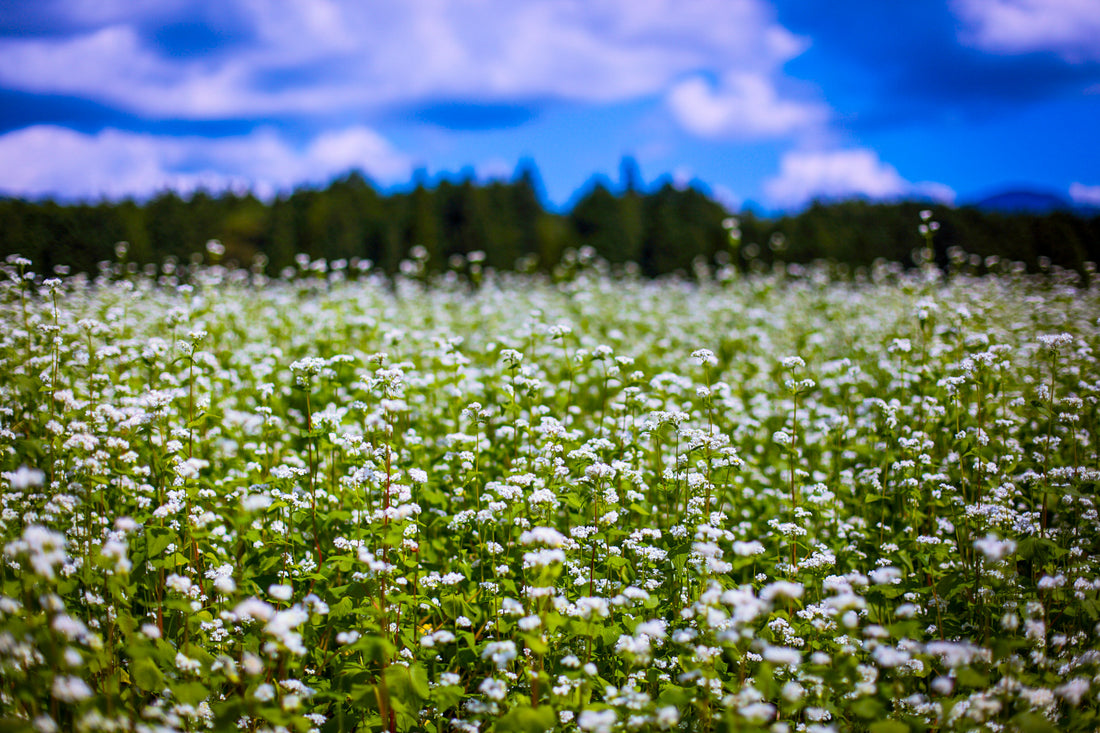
(868, 708)
(190, 693)
(341, 608)
(889, 726)
(1037, 548)
(157, 539)
(527, 720)
(404, 689)
(674, 695)
(204, 418)
(418, 678)
(227, 713)
(610, 634)
(971, 678)
(146, 675)
(535, 644)
(446, 697)
(1033, 723)
(374, 648)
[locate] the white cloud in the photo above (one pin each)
(1084, 195)
(495, 169)
(323, 56)
(52, 161)
(743, 105)
(1068, 28)
(805, 175)
(726, 197)
(682, 176)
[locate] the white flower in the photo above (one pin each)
(24, 478)
(69, 627)
(781, 589)
(186, 664)
(1050, 582)
(792, 691)
(956, 654)
(511, 357)
(501, 652)
(943, 685)
(994, 549)
(543, 558)
(493, 688)
(126, 524)
(597, 721)
(178, 583)
(667, 717)
(282, 625)
(1053, 342)
(70, 689)
(347, 637)
(252, 664)
(782, 655)
(44, 548)
(253, 609)
(225, 584)
(592, 607)
(256, 502)
(654, 629)
(757, 712)
(264, 692)
(745, 549)
(1073, 691)
(116, 551)
(280, 592)
(888, 656)
(45, 724)
(542, 535)
(704, 357)
(887, 575)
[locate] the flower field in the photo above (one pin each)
(792, 501)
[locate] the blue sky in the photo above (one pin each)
(765, 103)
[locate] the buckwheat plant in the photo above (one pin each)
(337, 501)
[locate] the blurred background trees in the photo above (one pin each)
(664, 230)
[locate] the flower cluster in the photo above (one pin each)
(795, 501)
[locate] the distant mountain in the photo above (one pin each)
(1024, 202)
(1041, 203)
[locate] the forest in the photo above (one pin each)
(662, 230)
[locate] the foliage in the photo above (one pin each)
(786, 501)
(661, 231)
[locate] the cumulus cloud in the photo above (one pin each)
(45, 160)
(1068, 28)
(742, 105)
(1084, 195)
(324, 56)
(837, 174)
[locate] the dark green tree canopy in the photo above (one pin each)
(663, 230)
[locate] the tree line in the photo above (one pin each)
(664, 230)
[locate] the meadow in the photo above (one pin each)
(798, 500)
